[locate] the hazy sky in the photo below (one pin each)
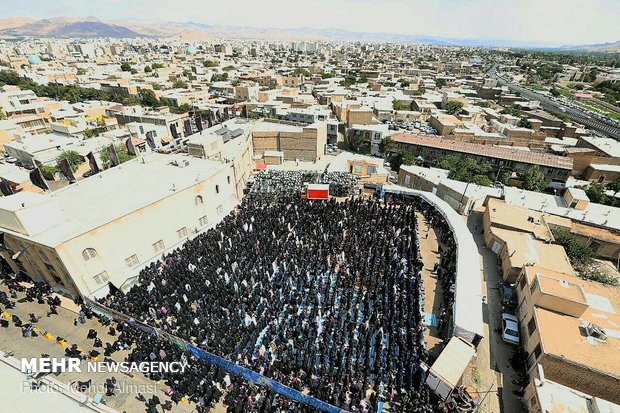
(545, 22)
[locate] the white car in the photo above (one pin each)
(510, 328)
(11, 159)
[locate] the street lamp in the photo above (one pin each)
(20, 252)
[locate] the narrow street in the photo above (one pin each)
(491, 371)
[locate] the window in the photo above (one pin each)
(220, 209)
(228, 179)
(132, 261)
(531, 325)
(217, 189)
(198, 200)
(202, 221)
(43, 256)
(101, 278)
(154, 133)
(522, 282)
(159, 246)
(534, 286)
(141, 130)
(537, 352)
(182, 233)
(89, 254)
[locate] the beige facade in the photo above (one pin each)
(145, 208)
(521, 237)
(557, 313)
(304, 143)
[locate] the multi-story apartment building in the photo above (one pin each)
(570, 327)
(60, 238)
(556, 168)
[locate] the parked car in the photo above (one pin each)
(507, 294)
(11, 159)
(510, 328)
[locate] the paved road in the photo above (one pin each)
(493, 352)
(62, 325)
(580, 116)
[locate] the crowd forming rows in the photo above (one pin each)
(324, 297)
(321, 296)
(283, 184)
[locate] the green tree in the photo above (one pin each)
(302, 71)
(80, 71)
(401, 105)
(147, 69)
(421, 90)
(454, 107)
(121, 152)
(48, 171)
(326, 75)
(210, 63)
(467, 169)
(525, 123)
(512, 111)
(156, 86)
(228, 68)
(157, 66)
(579, 253)
(184, 108)
(348, 80)
(148, 98)
(534, 179)
(180, 84)
(614, 185)
(400, 158)
(596, 193)
(74, 159)
(440, 83)
(386, 145)
(125, 67)
(481, 180)
(219, 77)
(92, 132)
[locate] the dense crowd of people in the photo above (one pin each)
(283, 184)
(323, 297)
(446, 267)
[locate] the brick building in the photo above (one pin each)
(433, 149)
(306, 143)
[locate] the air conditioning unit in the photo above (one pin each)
(594, 331)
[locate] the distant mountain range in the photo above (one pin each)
(600, 47)
(90, 27)
(65, 27)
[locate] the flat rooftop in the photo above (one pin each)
(533, 158)
(517, 218)
(524, 249)
(563, 336)
(598, 214)
(117, 192)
